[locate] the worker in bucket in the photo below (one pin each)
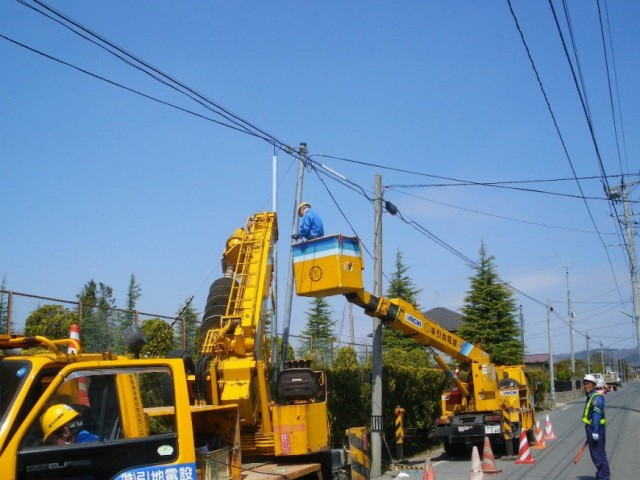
(61, 425)
(310, 225)
(595, 421)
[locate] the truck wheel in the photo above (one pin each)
(453, 449)
(189, 366)
(216, 304)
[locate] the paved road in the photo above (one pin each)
(556, 461)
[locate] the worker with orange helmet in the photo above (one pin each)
(61, 425)
(310, 225)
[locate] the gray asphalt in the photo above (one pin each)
(556, 461)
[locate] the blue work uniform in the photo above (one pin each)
(595, 422)
(86, 437)
(310, 226)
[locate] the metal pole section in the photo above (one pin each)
(376, 394)
(570, 315)
(352, 337)
(274, 282)
(522, 332)
(635, 284)
(588, 354)
(302, 154)
(552, 377)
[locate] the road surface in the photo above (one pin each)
(556, 461)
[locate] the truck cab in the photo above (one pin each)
(141, 423)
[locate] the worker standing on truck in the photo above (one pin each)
(311, 224)
(595, 421)
(61, 426)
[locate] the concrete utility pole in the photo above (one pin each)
(302, 155)
(570, 315)
(552, 377)
(376, 373)
(588, 354)
(522, 332)
(602, 356)
(617, 194)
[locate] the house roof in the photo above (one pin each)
(537, 358)
(446, 318)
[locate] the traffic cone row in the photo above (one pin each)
(539, 442)
(548, 430)
(524, 454)
(429, 472)
(476, 465)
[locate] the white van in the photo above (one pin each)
(599, 379)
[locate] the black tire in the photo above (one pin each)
(189, 365)
(216, 304)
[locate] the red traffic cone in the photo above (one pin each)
(74, 334)
(539, 442)
(488, 460)
(548, 430)
(524, 455)
(429, 472)
(476, 465)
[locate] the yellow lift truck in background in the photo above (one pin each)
(495, 401)
(171, 418)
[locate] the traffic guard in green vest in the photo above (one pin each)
(595, 422)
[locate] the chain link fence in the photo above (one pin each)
(101, 328)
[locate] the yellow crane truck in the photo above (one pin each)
(67, 414)
(495, 400)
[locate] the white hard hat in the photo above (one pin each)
(590, 378)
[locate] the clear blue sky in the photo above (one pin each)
(98, 182)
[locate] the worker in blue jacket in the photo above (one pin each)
(310, 225)
(595, 422)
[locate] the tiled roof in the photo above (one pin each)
(446, 318)
(537, 358)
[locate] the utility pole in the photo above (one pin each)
(352, 338)
(588, 354)
(602, 357)
(522, 332)
(570, 315)
(617, 194)
(376, 370)
(302, 155)
(552, 394)
(274, 282)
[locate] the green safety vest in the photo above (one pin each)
(586, 411)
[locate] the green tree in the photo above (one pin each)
(51, 321)
(134, 292)
(160, 338)
(318, 333)
(402, 286)
(189, 317)
(99, 323)
(489, 315)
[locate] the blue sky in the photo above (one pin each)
(98, 182)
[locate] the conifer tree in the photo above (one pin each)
(402, 286)
(489, 315)
(318, 333)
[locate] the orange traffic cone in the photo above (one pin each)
(524, 455)
(539, 442)
(74, 347)
(476, 465)
(488, 460)
(74, 334)
(429, 472)
(548, 430)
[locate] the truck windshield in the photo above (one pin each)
(12, 376)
